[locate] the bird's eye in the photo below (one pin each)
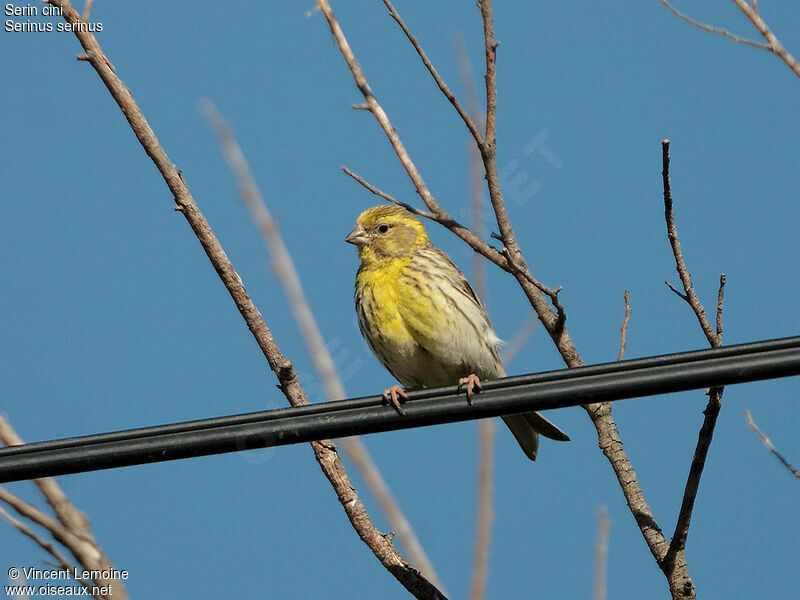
(383, 228)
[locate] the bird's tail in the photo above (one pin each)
(527, 427)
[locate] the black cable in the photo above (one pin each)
(555, 389)
(368, 401)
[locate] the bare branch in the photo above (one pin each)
(600, 587)
(675, 556)
(323, 362)
(489, 149)
(680, 294)
(720, 298)
(751, 12)
(678, 541)
(473, 129)
(680, 264)
(86, 553)
(381, 194)
(47, 546)
(490, 47)
(358, 453)
(67, 513)
(624, 329)
(610, 443)
(768, 443)
(72, 528)
(712, 29)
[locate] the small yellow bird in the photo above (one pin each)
(422, 320)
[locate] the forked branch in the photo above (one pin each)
(750, 10)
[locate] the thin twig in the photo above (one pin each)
(72, 529)
(86, 554)
(768, 443)
(676, 554)
(751, 12)
(720, 297)
(680, 264)
(600, 587)
(286, 271)
(712, 29)
(623, 332)
(468, 120)
(678, 542)
(381, 194)
(46, 545)
(324, 450)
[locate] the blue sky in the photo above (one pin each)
(115, 319)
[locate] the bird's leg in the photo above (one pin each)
(472, 382)
(393, 396)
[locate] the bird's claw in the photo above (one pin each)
(472, 382)
(393, 397)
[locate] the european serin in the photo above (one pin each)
(421, 318)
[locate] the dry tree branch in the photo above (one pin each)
(751, 12)
(465, 116)
(553, 320)
(712, 29)
(72, 528)
(600, 587)
(85, 554)
(676, 553)
(381, 194)
(286, 271)
(357, 452)
(47, 546)
(720, 297)
(768, 443)
(754, 16)
(689, 294)
(69, 516)
(623, 330)
(324, 450)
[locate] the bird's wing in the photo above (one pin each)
(446, 319)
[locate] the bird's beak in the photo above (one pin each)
(357, 237)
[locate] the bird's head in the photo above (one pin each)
(387, 232)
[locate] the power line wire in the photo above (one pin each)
(554, 389)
